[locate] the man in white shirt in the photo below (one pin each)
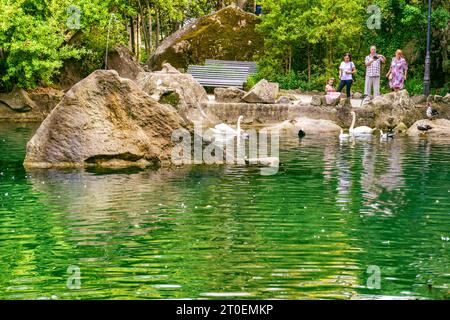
(373, 66)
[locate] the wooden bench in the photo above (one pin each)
(217, 75)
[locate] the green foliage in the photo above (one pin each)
(36, 37)
(305, 38)
(33, 49)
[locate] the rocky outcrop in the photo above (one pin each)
(104, 120)
(180, 90)
(228, 34)
(17, 100)
(46, 98)
(262, 92)
(231, 94)
(123, 61)
(439, 128)
(22, 106)
(393, 108)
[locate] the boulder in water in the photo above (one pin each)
(104, 120)
(393, 108)
(439, 128)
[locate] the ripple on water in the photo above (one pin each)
(218, 232)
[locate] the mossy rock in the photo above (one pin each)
(171, 98)
(228, 34)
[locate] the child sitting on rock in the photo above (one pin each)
(331, 96)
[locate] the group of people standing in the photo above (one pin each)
(397, 74)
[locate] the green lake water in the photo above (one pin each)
(316, 230)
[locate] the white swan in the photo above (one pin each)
(226, 130)
(344, 136)
(359, 130)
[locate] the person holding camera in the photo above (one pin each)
(373, 66)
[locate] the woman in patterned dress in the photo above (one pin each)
(398, 71)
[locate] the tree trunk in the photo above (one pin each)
(138, 39)
(132, 43)
(150, 32)
(144, 27)
(158, 27)
(309, 62)
(290, 59)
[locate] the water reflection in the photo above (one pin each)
(311, 231)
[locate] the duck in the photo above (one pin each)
(301, 133)
(386, 136)
(424, 127)
(431, 113)
(363, 130)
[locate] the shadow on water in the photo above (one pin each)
(310, 231)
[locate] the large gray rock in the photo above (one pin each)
(231, 94)
(17, 100)
(440, 128)
(104, 120)
(393, 108)
(228, 34)
(28, 106)
(123, 61)
(262, 92)
(169, 86)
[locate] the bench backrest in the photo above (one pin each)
(216, 75)
(253, 67)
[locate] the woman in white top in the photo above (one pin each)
(346, 71)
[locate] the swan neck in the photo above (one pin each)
(353, 121)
